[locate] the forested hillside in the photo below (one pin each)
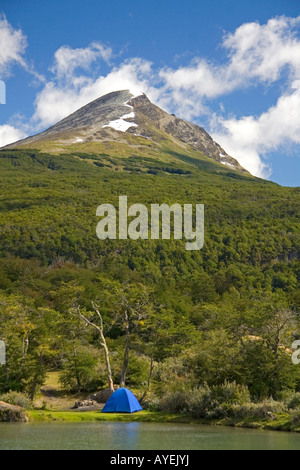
(228, 312)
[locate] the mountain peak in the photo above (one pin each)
(121, 115)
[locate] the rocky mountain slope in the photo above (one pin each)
(133, 120)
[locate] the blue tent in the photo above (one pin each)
(122, 401)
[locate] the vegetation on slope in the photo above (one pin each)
(227, 312)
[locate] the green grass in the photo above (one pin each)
(281, 423)
(52, 380)
(80, 416)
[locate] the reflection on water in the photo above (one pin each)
(140, 436)
(132, 431)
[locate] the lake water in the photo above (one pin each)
(140, 436)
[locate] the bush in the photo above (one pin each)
(177, 402)
(230, 400)
(16, 398)
(200, 402)
(206, 402)
(152, 404)
(215, 402)
(231, 393)
(295, 415)
(294, 402)
(252, 411)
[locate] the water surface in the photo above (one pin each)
(140, 436)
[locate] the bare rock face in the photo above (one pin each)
(182, 131)
(120, 115)
(91, 118)
(88, 123)
(12, 413)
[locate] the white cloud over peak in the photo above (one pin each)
(249, 138)
(57, 100)
(66, 59)
(255, 54)
(265, 54)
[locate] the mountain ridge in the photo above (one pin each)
(121, 116)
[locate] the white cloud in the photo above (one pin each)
(66, 59)
(249, 138)
(13, 46)
(58, 100)
(254, 53)
(10, 134)
(262, 51)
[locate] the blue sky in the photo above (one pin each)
(231, 66)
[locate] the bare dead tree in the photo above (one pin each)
(100, 330)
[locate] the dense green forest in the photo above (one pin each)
(173, 320)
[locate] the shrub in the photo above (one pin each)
(206, 402)
(231, 393)
(295, 415)
(200, 402)
(152, 404)
(264, 410)
(215, 402)
(294, 402)
(16, 398)
(176, 402)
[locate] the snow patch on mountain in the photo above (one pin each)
(129, 115)
(120, 124)
(226, 163)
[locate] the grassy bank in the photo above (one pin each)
(80, 416)
(204, 406)
(282, 421)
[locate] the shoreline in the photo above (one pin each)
(282, 422)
